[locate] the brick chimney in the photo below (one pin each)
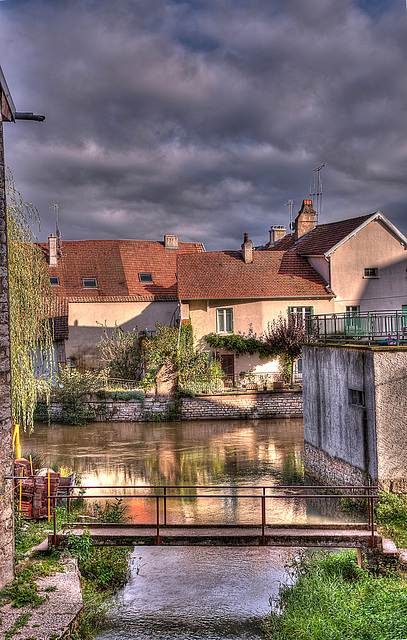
(53, 251)
(171, 242)
(277, 231)
(247, 249)
(305, 221)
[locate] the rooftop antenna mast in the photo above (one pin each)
(290, 204)
(57, 231)
(316, 190)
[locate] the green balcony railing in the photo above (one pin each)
(371, 327)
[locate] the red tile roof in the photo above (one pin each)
(116, 264)
(322, 238)
(224, 275)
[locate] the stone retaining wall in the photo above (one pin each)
(331, 471)
(282, 404)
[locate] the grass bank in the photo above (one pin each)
(328, 597)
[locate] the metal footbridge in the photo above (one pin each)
(163, 530)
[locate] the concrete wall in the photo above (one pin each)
(346, 441)
(391, 417)
(6, 494)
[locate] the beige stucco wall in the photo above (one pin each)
(248, 315)
(374, 246)
(86, 321)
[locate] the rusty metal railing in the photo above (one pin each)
(162, 493)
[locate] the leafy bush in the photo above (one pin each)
(391, 509)
(130, 394)
(70, 391)
(107, 568)
(110, 512)
(122, 353)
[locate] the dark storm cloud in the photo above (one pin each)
(204, 118)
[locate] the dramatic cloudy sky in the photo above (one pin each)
(204, 117)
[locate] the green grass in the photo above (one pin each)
(391, 516)
(332, 599)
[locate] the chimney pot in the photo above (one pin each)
(52, 250)
(171, 242)
(247, 249)
(277, 231)
(305, 221)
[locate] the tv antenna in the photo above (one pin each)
(57, 231)
(290, 204)
(316, 190)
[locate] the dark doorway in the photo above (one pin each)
(228, 367)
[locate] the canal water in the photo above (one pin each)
(183, 593)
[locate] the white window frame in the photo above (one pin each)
(224, 320)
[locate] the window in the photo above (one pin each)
(90, 283)
(356, 397)
(371, 272)
(302, 312)
(352, 311)
(145, 277)
(224, 320)
(54, 281)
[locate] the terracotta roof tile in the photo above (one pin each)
(322, 238)
(224, 275)
(116, 264)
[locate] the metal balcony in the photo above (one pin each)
(368, 327)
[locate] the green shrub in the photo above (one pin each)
(110, 512)
(107, 568)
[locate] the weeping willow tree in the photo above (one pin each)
(30, 306)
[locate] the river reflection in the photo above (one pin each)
(191, 592)
(231, 453)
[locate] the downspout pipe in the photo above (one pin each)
(25, 115)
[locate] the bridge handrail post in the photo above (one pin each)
(55, 522)
(263, 517)
(157, 540)
(165, 505)
(370, 511)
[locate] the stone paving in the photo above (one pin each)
(51, 619)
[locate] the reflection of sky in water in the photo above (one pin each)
(245, 452)
(197, 593)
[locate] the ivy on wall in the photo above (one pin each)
(240, 344)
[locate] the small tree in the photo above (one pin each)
(286, 336)
(30, 305)
(122, 353)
